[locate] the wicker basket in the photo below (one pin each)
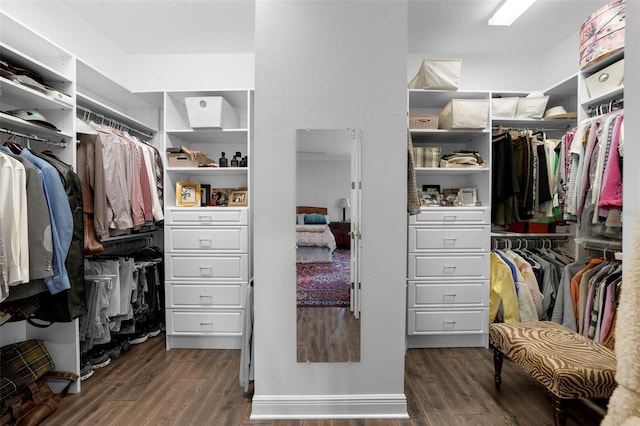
(423, 122)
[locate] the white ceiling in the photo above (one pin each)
(450, 27)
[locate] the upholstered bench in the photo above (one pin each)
(568, 364)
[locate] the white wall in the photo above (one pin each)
(330, 65)
(322, 183)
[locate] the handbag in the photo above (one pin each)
(606, 80)
(26, 398)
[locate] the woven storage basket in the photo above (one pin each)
(423, 122)
(180, 160)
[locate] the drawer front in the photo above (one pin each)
(202, 322)
(207, 268)
(205, 295)
(461, 266)
(448, 321)
(429, 294)
(452, 216)
(465, 238)
(207, 215)
(222, 239)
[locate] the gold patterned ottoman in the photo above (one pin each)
(568, 364)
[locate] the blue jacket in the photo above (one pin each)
(61, 221)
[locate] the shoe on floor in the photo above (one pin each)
(138, 338)
(99, 359)
(86, 371)
(154, 330)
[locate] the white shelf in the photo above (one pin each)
(22, 126)
(210, 135)
(21, 96)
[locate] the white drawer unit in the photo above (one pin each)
(448, 277)
(181, 295)
(219, 239)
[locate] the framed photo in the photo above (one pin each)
(430, 199)
(451, 196)
(187, 194)
(219, 197)
(468, 196)
(238, 197)
(205, 194)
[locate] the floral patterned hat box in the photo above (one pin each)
(602, 33)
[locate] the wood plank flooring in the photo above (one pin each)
(444, 387)
(327, 334)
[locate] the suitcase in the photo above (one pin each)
(602, 33)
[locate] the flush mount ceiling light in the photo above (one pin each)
(509, 11)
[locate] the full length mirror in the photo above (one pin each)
(328, 245)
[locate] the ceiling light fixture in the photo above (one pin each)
(509, 11)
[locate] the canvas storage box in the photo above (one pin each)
(212, 112)
(464, 114)
(180, 160)
(423, 122)
(602, 33)
(504, 107)
(437, 74)
(533, 107)
(606, 80)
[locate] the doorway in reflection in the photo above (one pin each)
(327, 218)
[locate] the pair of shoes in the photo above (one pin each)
(153, 330)
(86, 371)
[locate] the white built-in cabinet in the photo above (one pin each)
(448, 253)
(79, 86)
(207, 248)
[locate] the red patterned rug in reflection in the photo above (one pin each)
(325, 284)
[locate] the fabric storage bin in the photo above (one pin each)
(602, 33)
(437, 74)
(180, 160)
(212, 112)
(426, 156)
(531, 107)
(464, 114)
(423, 122)
(504, 107)
(606, 80)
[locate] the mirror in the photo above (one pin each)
(328, 245)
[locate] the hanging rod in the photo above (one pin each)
(113, 121)
(536, 129)
(34, 138)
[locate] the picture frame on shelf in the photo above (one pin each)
(430, 187)
(468, 197)
(187, 194)
(430, 199)
(219, 197)
(238, 198)
(451, 196)
(205, 194)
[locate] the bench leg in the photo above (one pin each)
(559, 410)
(497, 364)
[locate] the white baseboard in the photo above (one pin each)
(382, 406)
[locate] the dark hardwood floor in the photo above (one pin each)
(444, 387)
(327, 334)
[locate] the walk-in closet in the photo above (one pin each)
(345, 212)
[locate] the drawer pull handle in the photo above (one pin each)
(205, 218)
(449, 295)
(448, 324)
(450, 217)
(205, 240)
(208, 296)
(206, 323)
(206, 269)
(449, 241)
(449, 269)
